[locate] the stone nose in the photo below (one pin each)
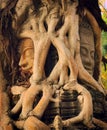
(22, 62)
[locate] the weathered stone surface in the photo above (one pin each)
(59, 91)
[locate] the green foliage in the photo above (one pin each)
(104, 76)
(104, 16)
(104, 52)
(104, 43)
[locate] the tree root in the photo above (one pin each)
(28, 97)
(86, 105)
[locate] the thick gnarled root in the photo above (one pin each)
(66, 61)
(28, 97)
(32, 123)
(28, 100)
(84, 75)
(100, 123)
(86, 105)
(39, 109)
(17, 90)
(18, 106)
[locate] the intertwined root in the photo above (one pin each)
(31, 95)
(43, 31)
(65, 39)
(32, 123)
(86, 105)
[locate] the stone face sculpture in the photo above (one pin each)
(56, 23)
(27, 55)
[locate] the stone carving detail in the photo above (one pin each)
(56, 95)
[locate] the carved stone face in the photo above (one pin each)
(87, 48)
(87, 56)
(27, 55)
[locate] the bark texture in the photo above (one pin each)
(37, 27)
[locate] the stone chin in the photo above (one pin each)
(26, 70)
